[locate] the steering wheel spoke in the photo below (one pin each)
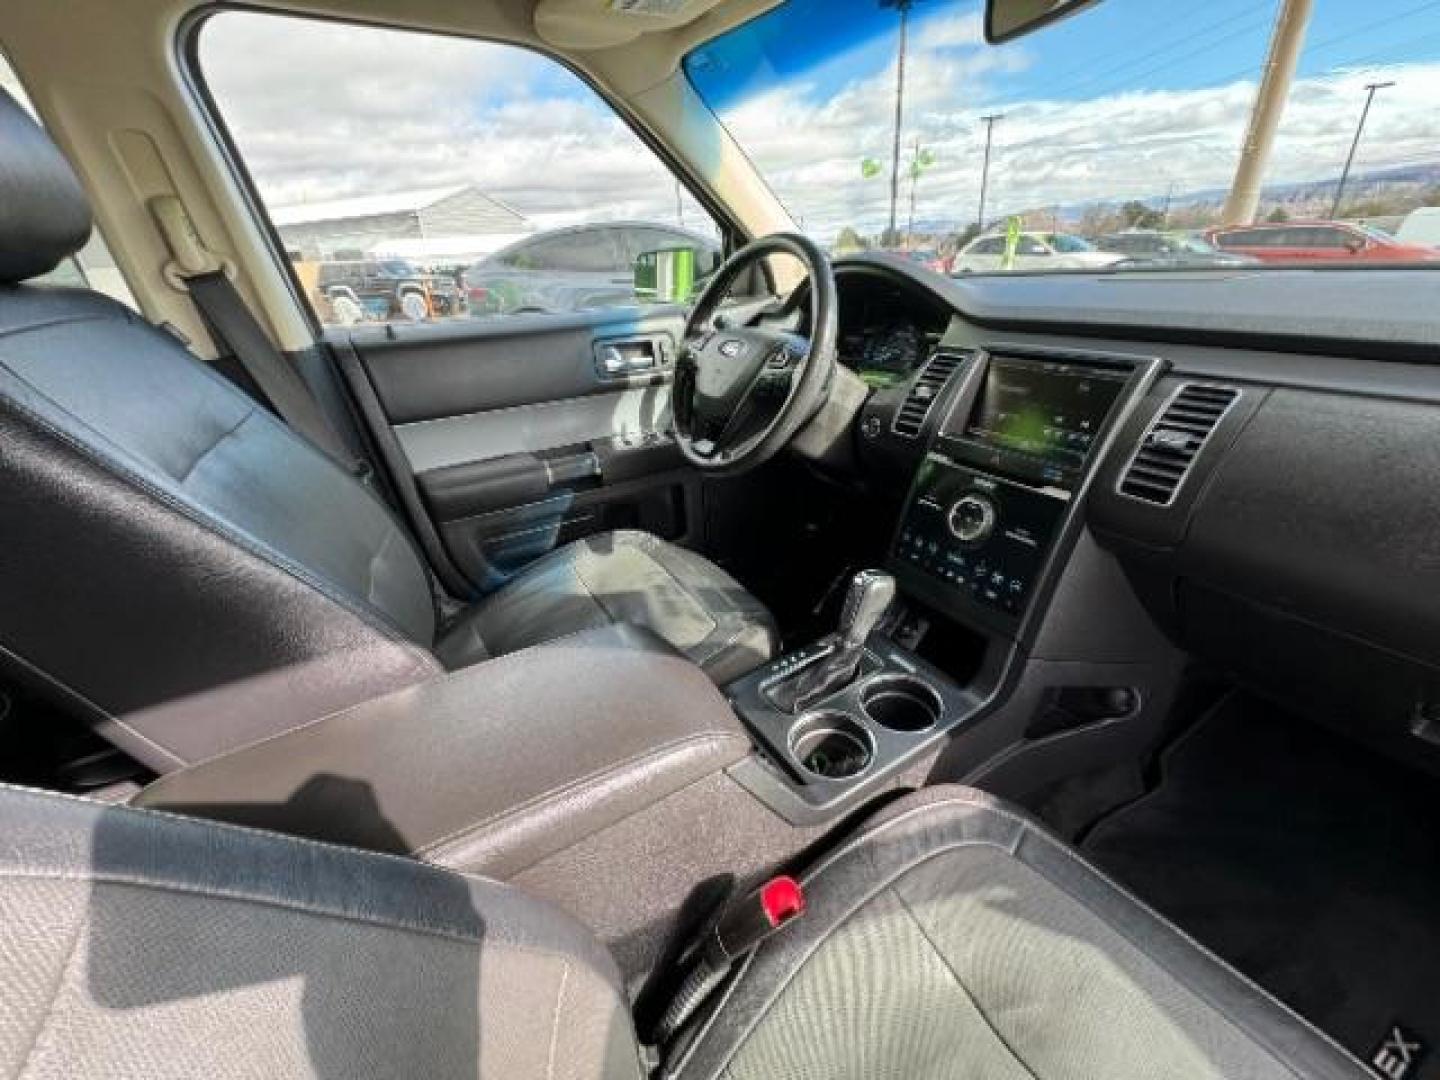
(747, 381)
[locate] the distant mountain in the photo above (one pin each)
(1304, 198)
(1309, 197)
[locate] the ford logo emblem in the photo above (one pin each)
(732, 348)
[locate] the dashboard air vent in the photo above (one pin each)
(911, 416)
(1174, 441)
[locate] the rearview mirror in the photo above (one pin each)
(1006, 20)
(671, 275)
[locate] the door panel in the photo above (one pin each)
(534, 428)
(525, 433)
(448, 369)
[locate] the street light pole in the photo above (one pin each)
(914, 183)
(989, 122)
(903, 7)
(1370, 90)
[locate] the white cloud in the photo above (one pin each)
(323, 112)
(1129, 145)
(951, 31)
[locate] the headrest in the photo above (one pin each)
(44, 215)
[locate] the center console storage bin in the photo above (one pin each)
(491, 768)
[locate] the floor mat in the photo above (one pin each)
(1303, 860)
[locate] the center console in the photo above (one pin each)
(1013, 435)
(989, 500)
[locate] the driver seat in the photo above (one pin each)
(194, 575)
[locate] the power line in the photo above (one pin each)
(1335, 39)
(1326, 43)
(1133, 81)
(1127, 48)
(1105, 78)
(1049, 138)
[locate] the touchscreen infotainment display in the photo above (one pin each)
(1040, 418)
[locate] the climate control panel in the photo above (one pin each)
(981, 537)
(971, 518)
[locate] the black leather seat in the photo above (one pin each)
(195, 575)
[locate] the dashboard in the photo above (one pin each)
(1254, 453)
(886, 330)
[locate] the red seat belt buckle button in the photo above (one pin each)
(782, 899)
(749, 921)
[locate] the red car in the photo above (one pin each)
(1315, 241)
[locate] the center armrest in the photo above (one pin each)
(490, 768)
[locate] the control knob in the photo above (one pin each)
(971, 518)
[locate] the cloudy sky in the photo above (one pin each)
(1127, 100)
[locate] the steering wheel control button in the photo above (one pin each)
(971, 518)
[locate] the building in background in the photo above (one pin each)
(452, 225)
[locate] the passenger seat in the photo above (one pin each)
(951, 937)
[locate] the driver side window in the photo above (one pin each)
(494, 178)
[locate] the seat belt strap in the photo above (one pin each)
(237, 332)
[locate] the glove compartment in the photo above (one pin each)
(1305, 557)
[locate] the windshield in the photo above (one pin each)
(891, 124)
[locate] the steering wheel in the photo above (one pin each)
(743, 389)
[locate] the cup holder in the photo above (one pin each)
(901, 703)
(832, 746)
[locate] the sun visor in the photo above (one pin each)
(601, 24)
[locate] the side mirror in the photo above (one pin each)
(672, 275)
(1006, 20)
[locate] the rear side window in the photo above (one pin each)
(495, 175)
(1322, 238)
(1245, 238)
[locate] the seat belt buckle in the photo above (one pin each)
(741, 928)
(745, 924)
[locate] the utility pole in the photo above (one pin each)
(1165, 210)
(1370, 90)
(1279, 73)
(914, 183)
(989, 122)
(903, 7)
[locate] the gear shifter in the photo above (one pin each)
(870, 596)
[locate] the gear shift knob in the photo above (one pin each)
(870, 596)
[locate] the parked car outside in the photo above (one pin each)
(356, 290)
(576, 269)
(1316, 241)
(1035, 251)
(1421, 227)
(929, 258)
(1155, 248)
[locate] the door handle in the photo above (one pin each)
(618, 359)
